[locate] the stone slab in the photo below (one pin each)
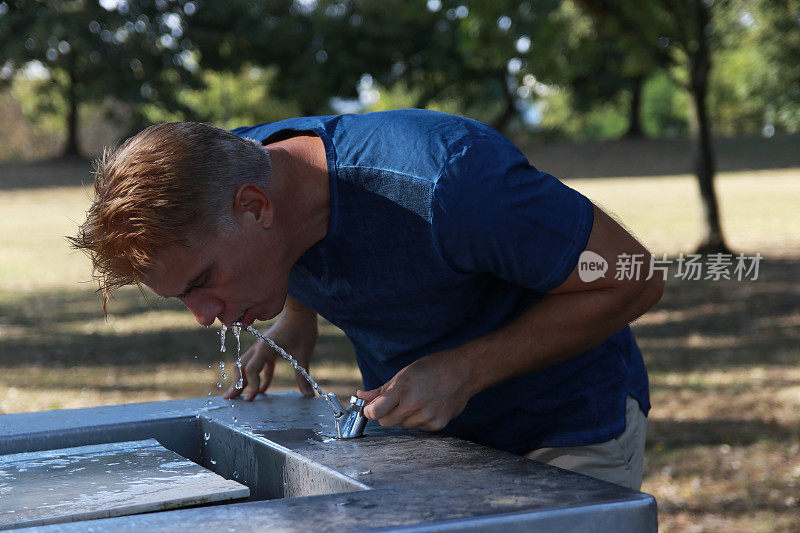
(101, 481)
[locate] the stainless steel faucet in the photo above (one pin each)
(350, 421)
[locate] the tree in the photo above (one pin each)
(129, 49)
(680, 33)
(316, 50)
(474, 52)
(485, 55)
(777, 29)
(603, 65)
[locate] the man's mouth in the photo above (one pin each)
(246, 319)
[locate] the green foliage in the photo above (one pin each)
(42, 103)
(601, 62)
(756, 81)
(448, 51)
(561, 121)
(777, 25)
(132, 51)
(665, 107)
(230, 99)
(399, 96)
(240, 61)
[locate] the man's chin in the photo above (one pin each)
(266, 315)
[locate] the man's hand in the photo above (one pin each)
(295, 331)
(426, 394)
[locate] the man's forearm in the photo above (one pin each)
(553, 329)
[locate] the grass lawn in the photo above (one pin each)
(724, 356)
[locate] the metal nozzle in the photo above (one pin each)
(350, 422)
(341, 411)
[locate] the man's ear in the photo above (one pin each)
(251, 202)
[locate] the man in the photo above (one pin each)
(449, 262)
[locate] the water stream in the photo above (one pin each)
(237, 328)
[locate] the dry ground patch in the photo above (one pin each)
(723, 440)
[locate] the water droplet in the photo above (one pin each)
(235, 474)
(222, 365)
(219, 384)
(224, 375)
(222, 332)
(234, 419)
(239, 384)
(237, 330)
(213, 461)
(206, 436)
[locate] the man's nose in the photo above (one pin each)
(205, 309)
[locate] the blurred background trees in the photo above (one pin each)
(570, 70)
(88, 53)
(555, 69)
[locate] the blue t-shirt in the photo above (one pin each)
(441, 231)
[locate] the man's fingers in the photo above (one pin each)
(369, 395)
(424, 420)
(252, 382)
(415, 419)
(398, 415)
(380, 407)
(303, 385)
(237, 374)
(269, 370)
(233, 392)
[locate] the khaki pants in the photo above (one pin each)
(618, 460)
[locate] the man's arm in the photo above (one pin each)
(571, 318)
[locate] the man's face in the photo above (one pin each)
(232, 277)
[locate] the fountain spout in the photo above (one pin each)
(350, 421)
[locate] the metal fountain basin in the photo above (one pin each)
(300, 479)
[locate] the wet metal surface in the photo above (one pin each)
(302, 480)
(102, 481)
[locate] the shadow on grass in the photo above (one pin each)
(63, 328)
(62, 172)
(675, 434)
(37, 308)
(718, 324)
(62, 350)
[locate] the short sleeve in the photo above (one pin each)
(492, 212)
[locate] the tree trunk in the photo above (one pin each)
(500, 123)
(699, 68)
(72, 149)
(634, 126)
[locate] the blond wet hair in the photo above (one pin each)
(171, 183)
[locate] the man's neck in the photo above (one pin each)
(301, 191)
